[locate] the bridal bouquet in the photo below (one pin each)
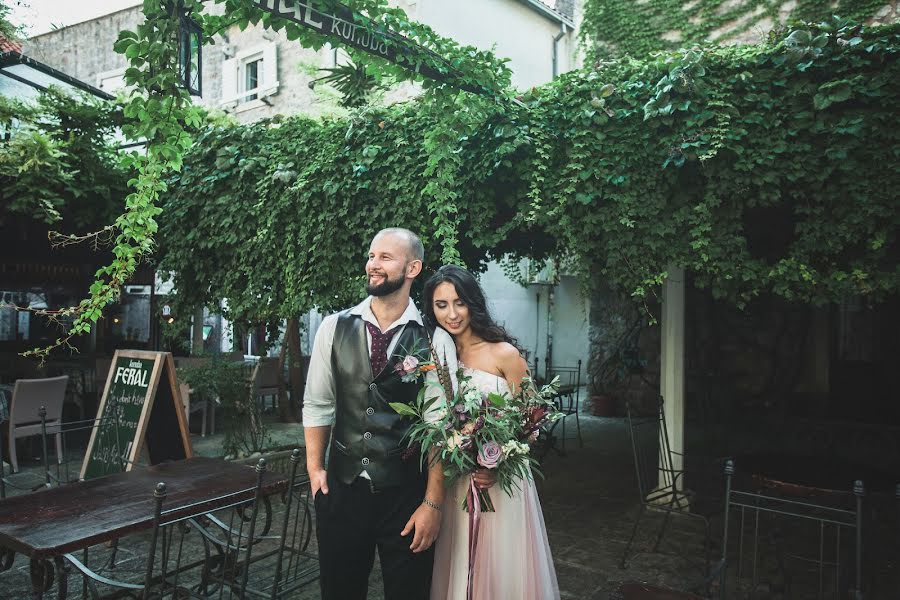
(468, 429)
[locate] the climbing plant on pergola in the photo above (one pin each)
(161, 111)
(760, 169)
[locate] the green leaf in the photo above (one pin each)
(403, 409)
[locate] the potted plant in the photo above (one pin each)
(614, 360)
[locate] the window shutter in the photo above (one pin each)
(229, 80)
(270, 70)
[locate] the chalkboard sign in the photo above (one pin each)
(140, 404)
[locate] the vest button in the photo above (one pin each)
(370, 411)
(367, 435)
(365, 462)
(372, 386)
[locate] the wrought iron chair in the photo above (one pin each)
(567, 399)
(660, 484)
(293, 565)
(771, 531)
(256, 550)
(29, 397)
(192, 553)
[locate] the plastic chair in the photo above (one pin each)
(266, 380)
(29, 395)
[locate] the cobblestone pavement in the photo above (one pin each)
(589, 501)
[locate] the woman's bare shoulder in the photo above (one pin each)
(505, 354)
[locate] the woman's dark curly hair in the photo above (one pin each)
(471, 294)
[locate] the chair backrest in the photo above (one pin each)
(268, 374)
(569, 376)
(190, 362)
(823, 541)
(29, 395)
(653, 462)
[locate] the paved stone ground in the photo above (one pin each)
(589, 499)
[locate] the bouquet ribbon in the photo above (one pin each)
(474, 505)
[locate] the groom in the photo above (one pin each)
(371, 496)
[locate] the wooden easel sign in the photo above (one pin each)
(140, 404)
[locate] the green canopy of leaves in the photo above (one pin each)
(761, 169)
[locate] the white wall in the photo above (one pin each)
(523, 312)
(517, 32)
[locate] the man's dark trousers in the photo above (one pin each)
(351, 522)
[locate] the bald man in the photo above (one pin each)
(370, 495)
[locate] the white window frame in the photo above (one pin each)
(233, 76)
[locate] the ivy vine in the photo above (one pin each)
(613, 28)
(161, 113)
(760, 169)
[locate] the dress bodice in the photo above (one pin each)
(484, 381)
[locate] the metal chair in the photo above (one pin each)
(781, 530)
(567, 398)
(29, 396)
(660, 485)
(289, 558)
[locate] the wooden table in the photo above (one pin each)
(46, 525)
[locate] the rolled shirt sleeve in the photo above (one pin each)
(319, 399)
(445, 349)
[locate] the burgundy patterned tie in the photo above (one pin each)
(380, 342)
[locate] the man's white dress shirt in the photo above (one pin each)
(319, 399)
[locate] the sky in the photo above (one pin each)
(40, 16)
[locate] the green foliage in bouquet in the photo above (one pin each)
(469, 430)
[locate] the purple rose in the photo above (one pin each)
(479, 423)
(489, 455)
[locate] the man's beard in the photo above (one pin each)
(386, 287)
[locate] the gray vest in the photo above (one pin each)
(368, 434)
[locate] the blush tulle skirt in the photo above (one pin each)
(512, 560)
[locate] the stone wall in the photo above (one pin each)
(889, 13)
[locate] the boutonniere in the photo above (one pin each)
(413, 364)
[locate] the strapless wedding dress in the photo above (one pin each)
(513, 560)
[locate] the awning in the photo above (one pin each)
(25, 78)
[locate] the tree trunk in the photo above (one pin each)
(291, 340)
(197, 333)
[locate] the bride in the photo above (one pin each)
(513, 556)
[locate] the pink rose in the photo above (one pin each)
(489, 455)
(410, 364)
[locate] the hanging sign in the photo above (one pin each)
(353, 29)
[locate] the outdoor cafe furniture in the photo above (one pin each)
(660, 485)
(566, 400)
(49, 526)
(779, 536)
(28, 398)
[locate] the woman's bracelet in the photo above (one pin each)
(433, 505)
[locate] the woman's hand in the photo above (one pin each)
(485, 478)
